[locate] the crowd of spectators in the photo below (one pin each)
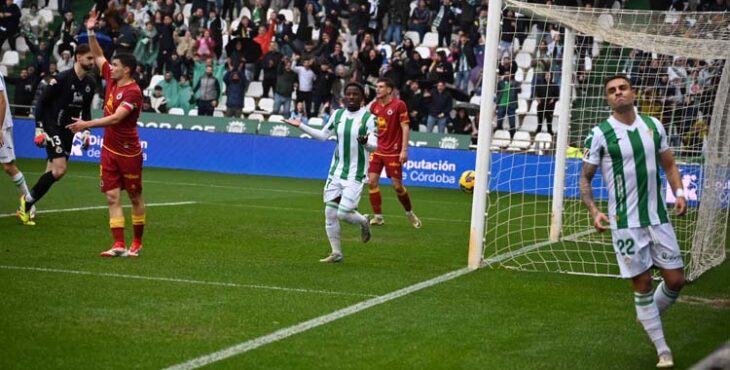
(306, 51)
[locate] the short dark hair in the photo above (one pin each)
(127, 60)
(617, 77)
(82, 49)
(356, 85)
(387, 81)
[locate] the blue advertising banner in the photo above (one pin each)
(302, 158)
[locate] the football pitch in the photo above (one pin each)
(231, 263)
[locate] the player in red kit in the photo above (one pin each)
(392, 152)
(121, 154)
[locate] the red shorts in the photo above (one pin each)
(121, 171)
(391, 162)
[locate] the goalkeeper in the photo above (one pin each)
(63, 98)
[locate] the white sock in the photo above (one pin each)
(648, 314)
(332, 226)
(19, 181)
(664, 297)
(408, 213)
(354, 217)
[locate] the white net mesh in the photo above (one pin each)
(676, 62)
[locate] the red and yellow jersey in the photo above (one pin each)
(389, 120)
(122, 138)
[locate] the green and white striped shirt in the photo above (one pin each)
(350, 160)
(629, 161)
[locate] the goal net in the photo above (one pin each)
(557, 59)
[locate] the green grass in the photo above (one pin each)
(269, 232)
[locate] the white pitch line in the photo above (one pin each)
(184, 281)
(313, 323)
(78, 209)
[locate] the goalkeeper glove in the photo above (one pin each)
(40, 137)
(85, 139)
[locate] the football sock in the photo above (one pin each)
(648, 314)
(404, 199)
(376, 201)
(40, 189)
(351, 217)
(138, 225)
(117, 226)
(332, 226)
(19, 181)
(664, 297)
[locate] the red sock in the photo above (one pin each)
(376, 201)
(138, 222)
(116, 224)
(404, 199)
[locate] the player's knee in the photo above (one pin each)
(10, 168)
(112, 199)
(642, 283)
(675, 283)
(58, 172)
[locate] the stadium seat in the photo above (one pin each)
(21, 45)
(255, 89)
(414, 36)
(288, 14)
(424, 51)
(10, 58)
(520, 75)
(476, 99)
(256, 116)
(279, 118)
(176, 111)
(543, 141)
(295, 28)
(154, 80)
(249, 105)
(501, 139)
(556, 111)
(222, 103)
(530, 76)
(245, 12)
(533, 107)
(521, 107)
(3, 70)
(234, 24)
(529, 124)
(266, 105)
(526, 92)
(523, 60)
(521, 141)
(187, 10)
(269, 12)
(53, 5)
(193, 112)
(316, 122)
(445, 50)
(217, 113)
(47, 15)
(588, 63)
(529, 46)
(515, 45)
(430, 40)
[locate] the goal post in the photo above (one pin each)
(526, 212)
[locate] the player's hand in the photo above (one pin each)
(85, 139)
(403, 156)
(40, 137)
(293, 122)
(600, 222)
(78, 125)
(363, 139)
(680, 207)
(91, 22)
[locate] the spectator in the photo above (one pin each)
(547, 95)
(227, 9)
(509, 28)
(270, 65)
(258, 13)
(444, 23)
(25, 86)
(141, 14)
(147, 49)
(413, 97)
(170, 88)
(235, 81)
(322, 88)
(338, 86)
(265, 36)
(65, 62)
(158, 102)
(420, 19)
(9, 23)
(185, 94)
(126, 40)
(284, 87)
(299, 113)
(465, 62)
(208, 89)
(406, 48)
(439, 108)
(185, 45)
(371, 62)
(440, 69)
(33, 23)
(462, 123)
(415, 68)
(69, 28)
(308, 21)
(305, 82)
(397, 17)
(216, 25)
(205, 46)
(506, 100)
(337, 57)
(167, 41)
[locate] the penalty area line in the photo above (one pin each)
(79, 209)
(313, 323)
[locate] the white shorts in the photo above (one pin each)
(639, 248)
(7, 151)
(349, 190)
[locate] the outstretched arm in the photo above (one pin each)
(320, 135)
(93, 43)
(118, 116)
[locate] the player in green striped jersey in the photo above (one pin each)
(630, 148)
(355, 131)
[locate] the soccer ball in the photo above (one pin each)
(466, 182)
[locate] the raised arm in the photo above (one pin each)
(96, 49)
